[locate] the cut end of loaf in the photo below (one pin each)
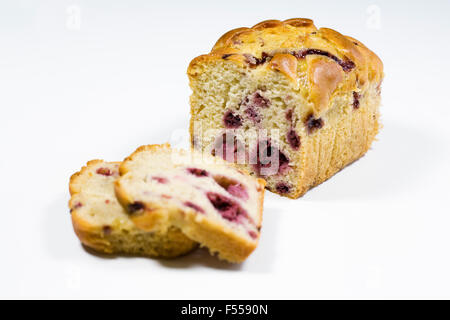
(286, 102)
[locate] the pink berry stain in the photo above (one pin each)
(227, 208)
(313, 124)
(194, 206)
(104, 172)
(231, 120)
(293, 139)
(232, 186)
(283, 187)
(160, 179)
(198, 172)
(252, 234)
(264, 157)
(238, 191)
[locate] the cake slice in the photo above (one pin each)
(211, 201)
(101, 223)
(286, 101)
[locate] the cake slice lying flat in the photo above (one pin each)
(301, 100)
(212, 202)
(101, 223)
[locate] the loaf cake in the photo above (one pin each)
(207, 198)
(286, 101)
(103, 225)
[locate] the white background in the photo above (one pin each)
(98, 84)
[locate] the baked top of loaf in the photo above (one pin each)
(101, 223)
(210, 200)
(286, 46)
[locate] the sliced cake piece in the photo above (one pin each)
(211, 201)
(101, 223)
(300, 100)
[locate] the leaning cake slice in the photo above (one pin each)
(101, 223)
(211, 201)
(286, 101)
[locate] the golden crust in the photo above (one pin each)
(324, 77)
(249, 46)
(228, 246)
(223, 40)
(170, 244)
(300, 22)
(286, 64)
(89, 235)
(306, 33)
